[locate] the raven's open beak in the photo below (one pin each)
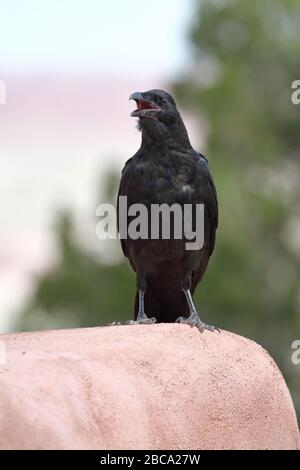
(145, 107)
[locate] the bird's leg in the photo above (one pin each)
(193, 319)
(141, 316)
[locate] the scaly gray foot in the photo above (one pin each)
(194, 320)
(142, 321)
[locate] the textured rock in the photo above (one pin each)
(147, 386)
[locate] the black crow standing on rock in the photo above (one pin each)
(166, 169)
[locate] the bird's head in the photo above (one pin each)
(155, 105)
(159, 118)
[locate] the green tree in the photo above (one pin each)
(245, 56)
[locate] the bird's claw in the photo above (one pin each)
(142, 321)
(195, 321)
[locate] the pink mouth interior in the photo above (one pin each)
(146, 105)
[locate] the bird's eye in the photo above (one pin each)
(161, 100)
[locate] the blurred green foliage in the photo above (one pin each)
(244, 58)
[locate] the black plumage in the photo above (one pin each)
(166, 169)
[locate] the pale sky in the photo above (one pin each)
(117, 36)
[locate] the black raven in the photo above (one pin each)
(167, 170)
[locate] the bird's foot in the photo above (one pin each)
(139, 321)
(194, 320)
(142, 321)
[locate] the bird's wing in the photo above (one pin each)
(209, 197)
(206, 194)
(129, 175)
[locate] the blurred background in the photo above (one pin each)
(65, 134)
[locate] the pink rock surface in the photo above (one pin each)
(142, 387)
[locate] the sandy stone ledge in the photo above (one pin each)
(142, 387)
